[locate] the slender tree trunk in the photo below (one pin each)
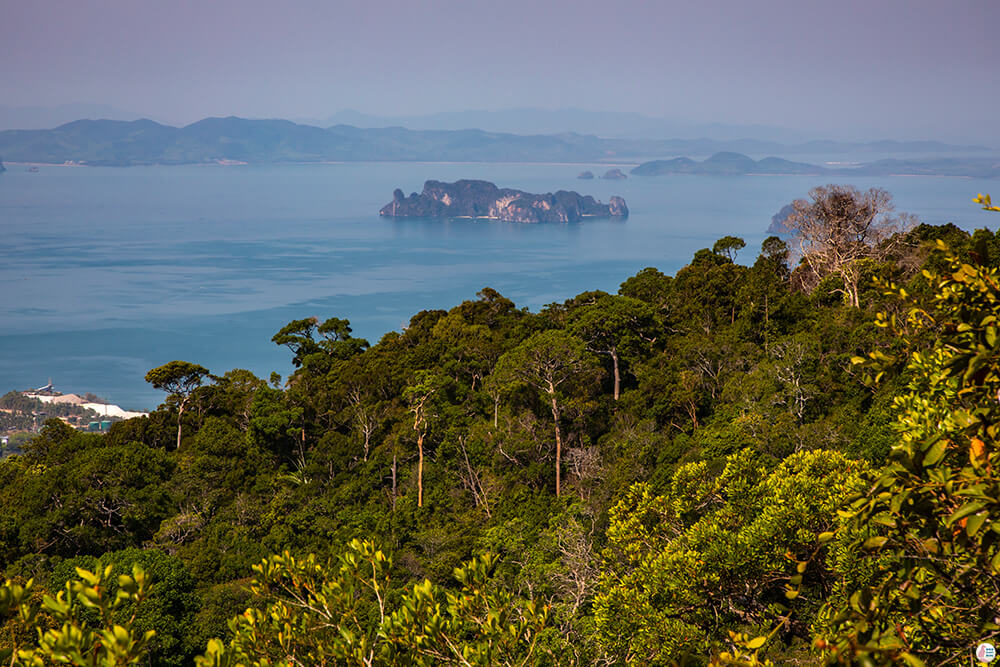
(767, 320)
(180, 413)
(618, 381)
(394, 478)
(555, 418)
(693, 413)
(851, 288)
(420, 470)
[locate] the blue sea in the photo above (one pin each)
(108, 272)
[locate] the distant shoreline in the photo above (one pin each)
(835, 172)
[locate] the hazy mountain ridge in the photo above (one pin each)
(737, 164)
(632, 125)
(125, 143)
(726, 163)
(232, 139)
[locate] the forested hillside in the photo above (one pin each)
(792, 460)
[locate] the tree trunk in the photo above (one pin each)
(555, 418)
(420, 470)
(618, 381)
(180, 413)
(393, 478)
(767, 320)
(692, 410)
(851, 288)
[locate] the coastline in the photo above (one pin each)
(835, 172)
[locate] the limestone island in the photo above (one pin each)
(482, 199)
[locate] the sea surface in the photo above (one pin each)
(108, 272)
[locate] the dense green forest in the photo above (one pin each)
(791, 461)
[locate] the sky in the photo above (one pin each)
(919, 69)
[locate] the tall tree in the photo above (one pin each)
(420, 397)
(335, 339)
(545, 362)
(729, 246)
(614, 326)
(179, 379)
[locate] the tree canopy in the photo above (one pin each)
(730, 465)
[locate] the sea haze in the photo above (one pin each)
(109, 272)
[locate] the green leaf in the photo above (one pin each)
(911, 660)
(976, 522)
(88, 576)
(875, 542)
(964, 511)
(935, 452)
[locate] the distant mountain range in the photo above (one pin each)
(627, 125)
(232, 139)
(120, 143)
(734, 164)
(609, 124)
(726, 164)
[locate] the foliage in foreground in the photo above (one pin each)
(341, 614)
(928, 514)
(76, 637)
(710, 555)
(308, 613)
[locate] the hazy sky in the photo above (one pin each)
(923, 68)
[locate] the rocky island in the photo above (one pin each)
(482, 199)
(778, 225)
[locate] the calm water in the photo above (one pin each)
(106, 273)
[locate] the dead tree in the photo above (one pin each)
(839, 229)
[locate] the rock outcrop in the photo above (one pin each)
(614, 175)
(482, 199)
(586, 175)
(778, 225)
(618, 208)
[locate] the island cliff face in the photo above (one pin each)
(777, 225)
(482, 199)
